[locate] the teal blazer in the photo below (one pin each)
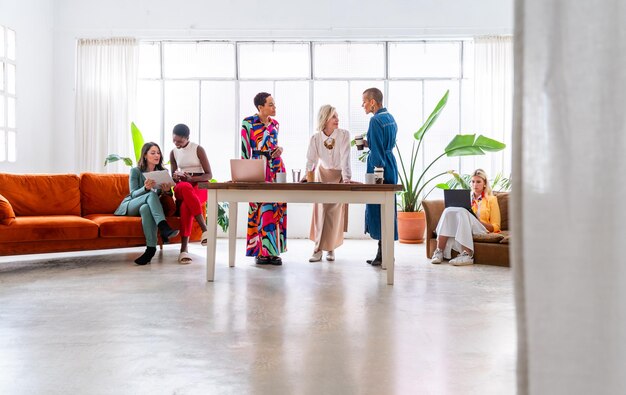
(136, 182)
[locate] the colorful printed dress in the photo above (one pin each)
(267, 222)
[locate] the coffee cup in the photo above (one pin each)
(358, 141)
(281, 177)
(370, 178)
(310, 176)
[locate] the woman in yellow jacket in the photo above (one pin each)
(456, 225)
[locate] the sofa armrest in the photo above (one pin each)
(432, 210)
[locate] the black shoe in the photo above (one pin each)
(276, 260)
(262, 260)
(166, 231)
(376, 262)
(378, 259)
(146, 257)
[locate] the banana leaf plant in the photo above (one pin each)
(499, 183)
(415, 182)
(138, 142)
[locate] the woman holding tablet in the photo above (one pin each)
(143, 200)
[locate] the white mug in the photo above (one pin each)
(370, 178)
(281, 177)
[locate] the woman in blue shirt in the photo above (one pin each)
(381, 139)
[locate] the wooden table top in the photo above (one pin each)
(300, 186)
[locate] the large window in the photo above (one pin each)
(209, 85)
(7, 95)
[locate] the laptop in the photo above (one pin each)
(247, 170)
(458, 198)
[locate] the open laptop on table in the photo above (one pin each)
(458, 198)
(247, 170)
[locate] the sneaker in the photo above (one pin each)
(463, 259)
(330, 256)
(316, 257)
(437, 256)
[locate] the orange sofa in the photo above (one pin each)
(65, 212)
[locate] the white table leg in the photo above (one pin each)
(387, 222)
(232, 233)
(211, 224)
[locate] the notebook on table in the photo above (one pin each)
(247, 170)
(458, 198)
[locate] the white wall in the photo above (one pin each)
(32, 21)
(244, 19)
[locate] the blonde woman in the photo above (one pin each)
(457, 225)
(329, 156)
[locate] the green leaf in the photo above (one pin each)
(489, 145)
(115, 157)
(468, 144)
(137, 140)
(432, 117)
(442, 185)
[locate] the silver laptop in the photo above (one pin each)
(247, 170)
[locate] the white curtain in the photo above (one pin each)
(569, 214)
(106, 86)
(493, 101)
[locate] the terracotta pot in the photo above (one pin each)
(411, 227)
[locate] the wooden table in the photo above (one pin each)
(234, 193)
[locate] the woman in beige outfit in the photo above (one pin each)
(329, 156)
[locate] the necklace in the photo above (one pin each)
(329, 143)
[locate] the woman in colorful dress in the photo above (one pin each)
(190, 165)
(267, 222)
(457, 225)
(329, 156)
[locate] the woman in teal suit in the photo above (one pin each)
(143, 201)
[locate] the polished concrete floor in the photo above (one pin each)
(94, 323)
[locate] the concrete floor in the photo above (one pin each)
(94, 323)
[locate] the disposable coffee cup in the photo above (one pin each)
(310, 176)
(358, 141)
(281, 177)
(370, 178)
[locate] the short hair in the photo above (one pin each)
(324, 114)
(142, 164)
(374, 93)
(181, 130)
(260, 99)
(481, 173)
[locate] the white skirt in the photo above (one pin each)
(458, 225)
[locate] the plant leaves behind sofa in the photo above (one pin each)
(67, 212)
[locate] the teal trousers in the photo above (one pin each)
(148, 206)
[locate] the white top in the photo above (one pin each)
(187, 159)
(337, 158)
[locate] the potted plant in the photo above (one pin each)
(138, 142)
(411, 220)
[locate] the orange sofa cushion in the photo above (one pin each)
(42, 194)
(50, 227)
(102, 193)
(7, 215)
(117, 225)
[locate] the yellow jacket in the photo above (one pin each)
(489, 211)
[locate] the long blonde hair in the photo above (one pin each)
(324, 114)
(481, 173)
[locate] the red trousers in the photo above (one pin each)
(190, 200)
